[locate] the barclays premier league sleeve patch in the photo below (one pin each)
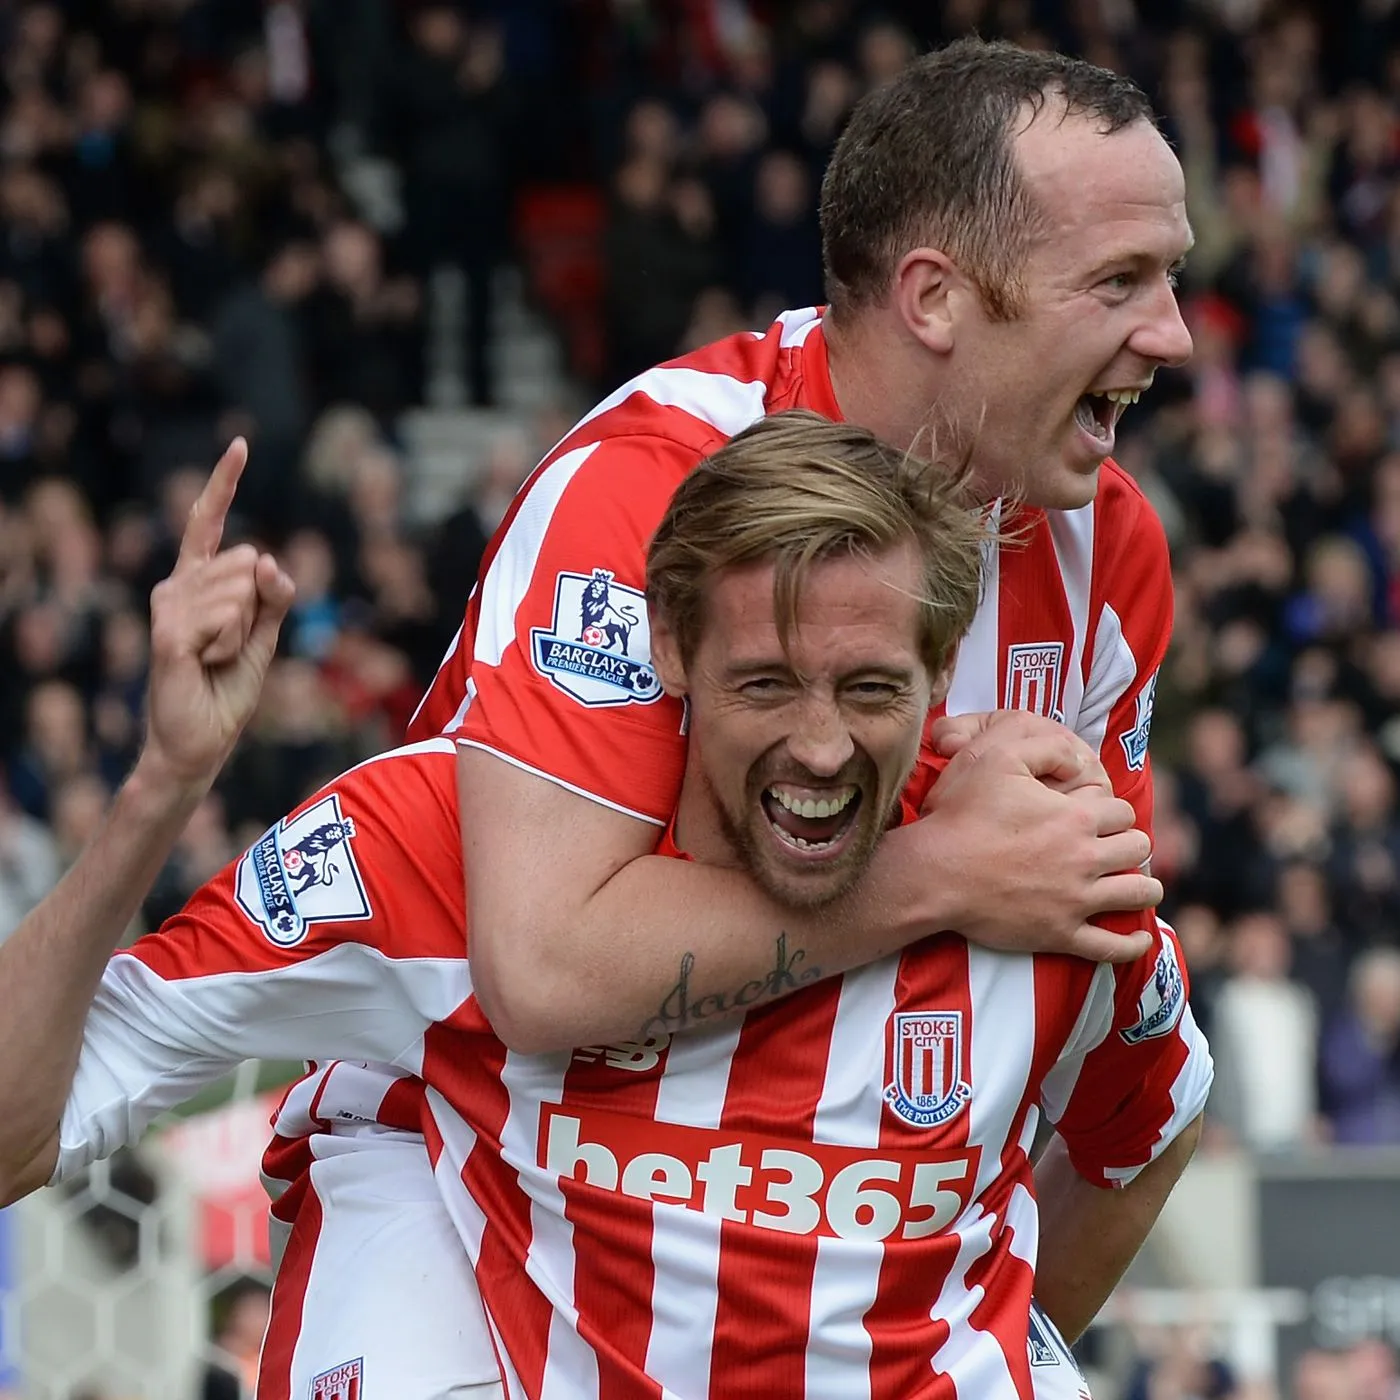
(303, 872)
(1162, 1000)
(598, 649)
(1134, 741)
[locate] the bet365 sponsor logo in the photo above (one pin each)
(815, 1189)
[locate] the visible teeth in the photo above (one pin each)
(814, 807)
(801, 843)
(1123, 396)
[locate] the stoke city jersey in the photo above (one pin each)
(829, 1196)
(551, 668)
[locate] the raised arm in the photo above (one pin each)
(214, 626)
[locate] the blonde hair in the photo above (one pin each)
(796, 488)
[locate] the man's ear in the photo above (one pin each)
(942, 681)
(666, 657)
(926, 284)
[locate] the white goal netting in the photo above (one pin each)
(123, 1284)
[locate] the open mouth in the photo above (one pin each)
(1098, 413)
(808, 821)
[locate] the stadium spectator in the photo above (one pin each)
(1372, 1370)
(1321, 1375)
(661, 253)
(242, 1312)
(451, 111)
(1360, 1067)
(1269, 1101)
(28, 862)
(362, 325)
(782, 257)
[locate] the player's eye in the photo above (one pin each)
(763, 687)
(873, 692)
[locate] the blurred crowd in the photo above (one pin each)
(184, 254)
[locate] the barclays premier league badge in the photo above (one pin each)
(598, 650)
(1162, 1000)
(302, 872)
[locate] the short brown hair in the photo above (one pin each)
(927, 159)
(796, 488)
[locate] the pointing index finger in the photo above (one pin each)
(204, 531)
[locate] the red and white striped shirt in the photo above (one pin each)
(549, 672)
(830, 1197)
(1075, 622)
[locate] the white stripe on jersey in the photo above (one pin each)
(468, 696)
(797, 326)
(151, 1042)
(685, 1244)
(1112, 670)
(725, 403)
(1001, 986)
(1188, 1093)
(571, 1368)
(971, 1358)
(845, 1281)
(508, 579)
(1072, 532)
(974, 684)
(1023, 1219)
(458, 1143)
(1095, 1020)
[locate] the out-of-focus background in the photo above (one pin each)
(401, 246)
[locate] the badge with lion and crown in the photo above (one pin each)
(302, 872)
(598, 649)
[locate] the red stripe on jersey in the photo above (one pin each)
(759, 1288)
(402, 1106)
(1099, 1111)
(932, 977)
(1037, 631)
(615, 1306)
(288, 1300)
(467, 1070)
(1059, 983)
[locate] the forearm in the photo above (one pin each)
(1089, 1236)
(51, 966)
(578, 936)
(626, 972)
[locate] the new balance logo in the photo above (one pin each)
(635, 1055)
